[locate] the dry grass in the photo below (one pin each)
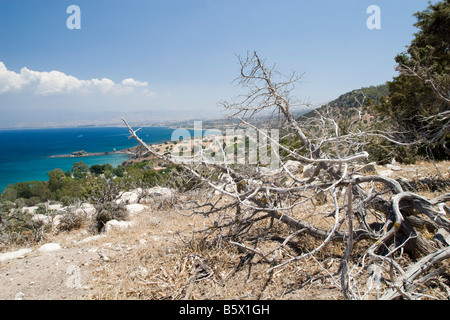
(165, 259)
(193, 268)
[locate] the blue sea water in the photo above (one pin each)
(25, 154)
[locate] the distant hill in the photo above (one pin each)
(352, 104)
(347, 106)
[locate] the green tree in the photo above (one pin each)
(56, 179)
(419, 97)
(80, 170)
(23, 190)
(100, 169)
(118, 171)
(96, 169)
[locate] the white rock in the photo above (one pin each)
(88, 209)
(14, 254)
(50, 247)
(41, 218)
(55, 207)
(115, 225)
(157, 192)
(160, 191)
(396, 168)
(30, 209)
(134, 208)
(130, 197)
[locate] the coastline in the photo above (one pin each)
(28, 155)
(80, 154)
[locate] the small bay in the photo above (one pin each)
(25, 154)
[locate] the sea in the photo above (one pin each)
(25, 154)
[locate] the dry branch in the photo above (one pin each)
(375, 208)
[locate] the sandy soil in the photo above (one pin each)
(72, 272)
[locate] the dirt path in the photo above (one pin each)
(69, 271)
(59, 274)
(63, 273)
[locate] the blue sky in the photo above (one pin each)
(162, 59)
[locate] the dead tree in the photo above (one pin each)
(361, 206)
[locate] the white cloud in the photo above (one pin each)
(134, 83)
(9, 80)
(56, 82)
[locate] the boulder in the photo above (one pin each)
(54, 207)
(160, 192)
(134, 208)
(130, 197)
(88, 209)
(115, 225)
(30, 209)
(41, 218)
(50, 247)
(14, 254)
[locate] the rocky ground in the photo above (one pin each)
(63, 267)
(156, 254)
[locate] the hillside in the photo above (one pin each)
(160, 253)
(352, 105)
(169, 244)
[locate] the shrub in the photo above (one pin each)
(20, 203)
(19, 228)
(70, 221)
(6, 206)
(108, 211)
(66, 200)
(33, 201)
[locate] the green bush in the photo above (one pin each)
(108, 211)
